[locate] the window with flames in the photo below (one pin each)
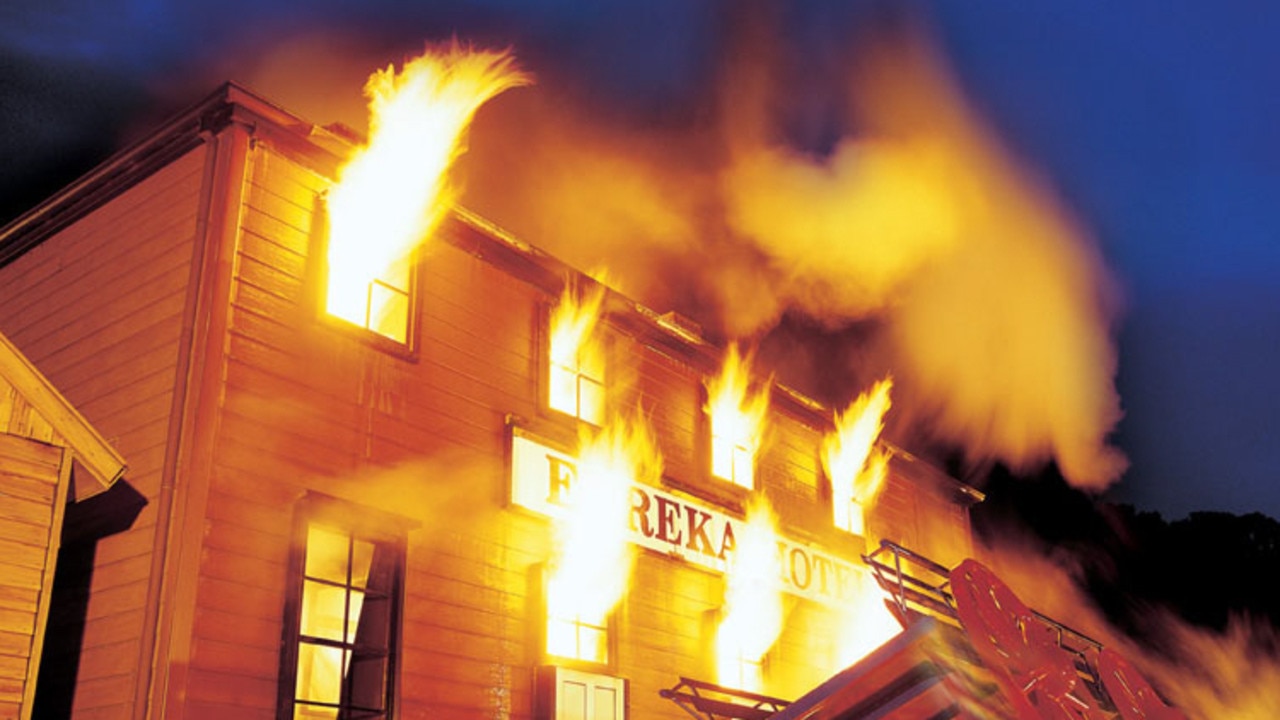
(380, 303)
(572, 637)
(742, 672)
(576, 356)
(731, 458)
(736, 407)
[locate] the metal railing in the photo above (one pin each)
(919, 587)
(708, 701)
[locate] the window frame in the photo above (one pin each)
(705, 447)
(359, 523)
(545, 365)
(711, 661)
(539, 577)
(319, 281)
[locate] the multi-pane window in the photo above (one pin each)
(343, 624)
(732, 458)
(381, 304)
(576, 354)
(574, 638)
(848, 515)
(736, 407)
(577, 386)
(743, 673)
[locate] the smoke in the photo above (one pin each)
(1206, 674)
(982, 294)
(1234, 674)
(997, 305)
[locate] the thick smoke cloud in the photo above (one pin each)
(996, 310)
(988, 303)
(992, 305)
(998, 306)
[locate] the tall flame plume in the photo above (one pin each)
(593, 558)
(864, 624)
(753, 610)
(395, 189)
(737, 419)
(857, 470)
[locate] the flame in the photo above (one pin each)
(857, 471)
(593, 556)
(926, 222)
(865, 624)
(395, 189)
(577, 360)
(737, 419)
(752, 616)
(1210, 675)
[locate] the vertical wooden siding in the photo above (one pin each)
(97, 307)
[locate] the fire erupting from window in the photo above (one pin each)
(593, 555)
(395, 189)
(865, 623)
(575, 384)
(856, 468)
(752, 614)
(737, 413)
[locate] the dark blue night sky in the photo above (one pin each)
(1158, 123)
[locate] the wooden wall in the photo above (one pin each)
(33, 486)
(309, 404)
(98, 308)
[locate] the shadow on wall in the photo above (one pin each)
(84, 524)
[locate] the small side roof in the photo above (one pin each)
(92, 454)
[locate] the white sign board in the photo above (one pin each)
(678, 526)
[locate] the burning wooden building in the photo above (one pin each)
(458, 479)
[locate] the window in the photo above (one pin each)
(576, 355)
(360, 283)
(380, 304)
(343, 617)
(578, 627)
(573, 638)
(742, 672)
(732, 459)
(849, 515)
(736, 407)
(577, 387)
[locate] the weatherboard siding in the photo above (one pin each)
(310, 404)
(30, 519)
(98, 308)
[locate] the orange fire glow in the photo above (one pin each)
(1211, 675)
(856, 468)
(576, 382)
(752, 615)
(395, 189)
(737, 419)
(865, 624)
(593, 556)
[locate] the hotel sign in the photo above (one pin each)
(678, 526)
